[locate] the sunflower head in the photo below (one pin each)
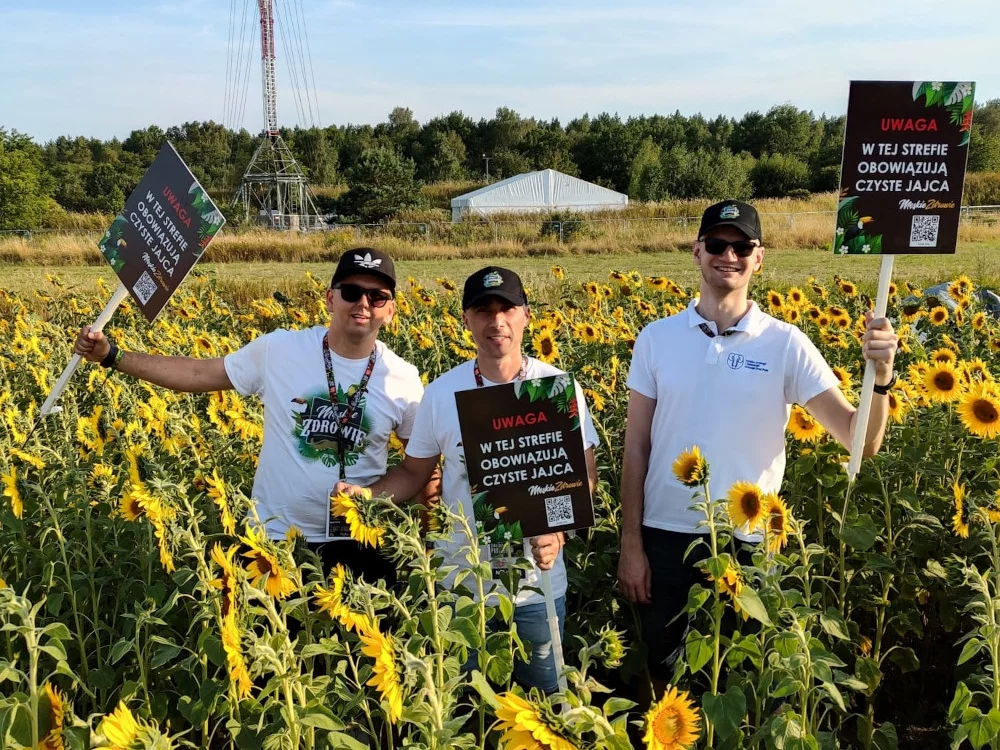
(803, 426)
(979, 410)
(942, 382)
(939, 315)
(545, 347)
(778, 522)
(746, 505)
(691, 468)
(673, 723)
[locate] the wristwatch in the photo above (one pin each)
(883, 390)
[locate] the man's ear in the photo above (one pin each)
(696, 253)
(329, 300)
(760, 260)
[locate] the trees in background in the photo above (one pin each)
(784, 151)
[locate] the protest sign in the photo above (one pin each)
(154, 242)
(161, 233)
(525, 458)
(906, 144)
(905, 148)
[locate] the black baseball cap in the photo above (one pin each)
(731, 213)
(493, 281)
(368, 261)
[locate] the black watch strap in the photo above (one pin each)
(112, 358)
(883, 390)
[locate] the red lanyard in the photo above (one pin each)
(479, 376)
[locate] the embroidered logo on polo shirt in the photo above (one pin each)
(735, 361)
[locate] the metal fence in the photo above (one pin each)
(532, 228)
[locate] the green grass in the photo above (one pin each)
(782, 268)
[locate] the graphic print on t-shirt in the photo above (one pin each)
(318, 429)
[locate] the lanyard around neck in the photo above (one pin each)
(521, 375)
(352, 402)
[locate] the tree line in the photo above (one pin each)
(786, 151)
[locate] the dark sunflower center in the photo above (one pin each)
(944, 381)
(985, 411)
(546, 347)
(751, 504)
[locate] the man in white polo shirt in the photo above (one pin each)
(721, 375)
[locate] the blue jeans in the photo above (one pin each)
(533, 630)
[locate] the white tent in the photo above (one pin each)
(533, 192)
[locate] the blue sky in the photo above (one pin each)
(103, 67)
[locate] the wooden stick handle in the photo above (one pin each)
(868, 385)
(554, 634)
(116, 299)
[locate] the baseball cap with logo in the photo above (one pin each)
(367, 261)
(731, 213)
(493, 281)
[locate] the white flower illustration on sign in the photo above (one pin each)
(842, 250)
(866, 249)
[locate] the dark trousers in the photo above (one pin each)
(672, 576)
(360, 559)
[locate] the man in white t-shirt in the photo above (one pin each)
(721, 375)
(332, 397)
(496, 312)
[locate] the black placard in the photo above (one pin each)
(166, 224)
(905, 150)
(525, 458)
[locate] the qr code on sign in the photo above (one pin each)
(144, 288)
(559, 510)
(924, 230)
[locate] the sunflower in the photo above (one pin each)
(942, 383)
(217, 491)
(944, 355)
(591, 288)
(796, 296)
(778, 524)
(120, 728)
(28, 458)
(994, 345)
(979, 410)
(847, 288)
(673, 723)
(690, 468)
(775, 301)
(803, 427)
(939, 315)
(11, 491)
(523, 726)
(731, 582)
(226, 582)
(792, 315)
(130, 506)
(659, 283)
(746, 505)
(545, 346)
(959, 523)
(53, 739)
(976, 369)
(558, 272)
(588, 333)
(993, 509)
(961, 287)
(264, 567)
(232, 644)
(346, 507)
(88, 431)
(331, 601)
(386, 677)
(814, 313)
(595, 399)
(897, 406)
(203, 346)
(844, 377)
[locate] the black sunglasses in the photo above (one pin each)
(353, 292)
(717, 246)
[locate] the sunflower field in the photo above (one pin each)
(141, 608)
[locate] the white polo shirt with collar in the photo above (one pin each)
(729, 394)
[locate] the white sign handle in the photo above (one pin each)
(116, 299)
(868, 385)
(553, 618)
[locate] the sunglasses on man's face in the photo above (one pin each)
(717, 246)
(353, 292)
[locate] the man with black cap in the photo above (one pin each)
(332, 397)
(495, 311)
(721, 375)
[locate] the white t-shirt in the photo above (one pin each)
(299, 461)
(729, 395)
(436, 431)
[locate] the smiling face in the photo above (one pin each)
(727, 272)
(359, 320)
(497, 326)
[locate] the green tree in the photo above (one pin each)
(777, 175)
(701, 173)
(444, 159)
(24, 185)
(506, 162)
(380, 184)
(647, 173)
(984, 141)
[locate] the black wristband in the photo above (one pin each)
(883, 390)
(111, 359)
